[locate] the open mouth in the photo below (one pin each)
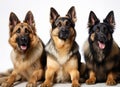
(101, 45)
(23, 47)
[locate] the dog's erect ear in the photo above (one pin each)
(72, 14)
(92, 19)
(13, 21)
(53, 15)
(29, 18)
(110, 19)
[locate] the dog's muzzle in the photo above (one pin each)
(64, 34)
(101, 41)
(23, 42)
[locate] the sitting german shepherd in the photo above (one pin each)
(63, 57)
(102, 54)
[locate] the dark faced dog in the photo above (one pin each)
(28, 54)
(102, 54)
(63, 57)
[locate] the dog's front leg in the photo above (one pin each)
(11, 79)
(74, 73)
(111, 79)
(52, 67)
(37, 75)
(92, 78)
(49, 76)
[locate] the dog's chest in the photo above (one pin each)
(26, 71)
(62, 59)
(62, 75)
(24, 67)
(101, 70)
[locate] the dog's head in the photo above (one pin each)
(101, 33)
(22, 34)
(63, 27)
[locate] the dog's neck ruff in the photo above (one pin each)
(51, 50)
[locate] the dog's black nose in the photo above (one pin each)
(65, 31)
(64, 34)
(102, 38)
(23, 38)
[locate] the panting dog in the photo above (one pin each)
(28, 54)
(101, 52)
(63, 57)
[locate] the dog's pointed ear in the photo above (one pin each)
(29, 18)
(13, 21)
(53, 15)
(72, 14)
(92, 19)
(110, 19)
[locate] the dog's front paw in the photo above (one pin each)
(5, 84)
(76, 85)
(90, 81)
(31, 85)
(111, 82)
(45, 84)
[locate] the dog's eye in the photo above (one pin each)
(26, 30)
(67, 23)
(18, 30)
(59, 24)
(97, 29)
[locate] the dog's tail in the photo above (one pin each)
(4, 75)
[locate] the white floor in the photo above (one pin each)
(69, 85)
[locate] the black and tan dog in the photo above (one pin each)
(102, 54)
(63, 57)
(28, 54)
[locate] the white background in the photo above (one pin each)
(41, 11)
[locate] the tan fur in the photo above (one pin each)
(111, 79)
(63, 67)
(92, 36)
(92, 78)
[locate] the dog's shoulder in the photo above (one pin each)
(13, 55)
(75, 48)
(86, 47)
(50, 47)
(87, 51)
(115, 50)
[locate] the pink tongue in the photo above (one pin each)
(23, 47)
(101, 45)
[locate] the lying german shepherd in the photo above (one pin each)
(102, 54)
(63, 57)
(28, 54)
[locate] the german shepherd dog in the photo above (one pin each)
(102, 54)
(28, 54)
(63, 57)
